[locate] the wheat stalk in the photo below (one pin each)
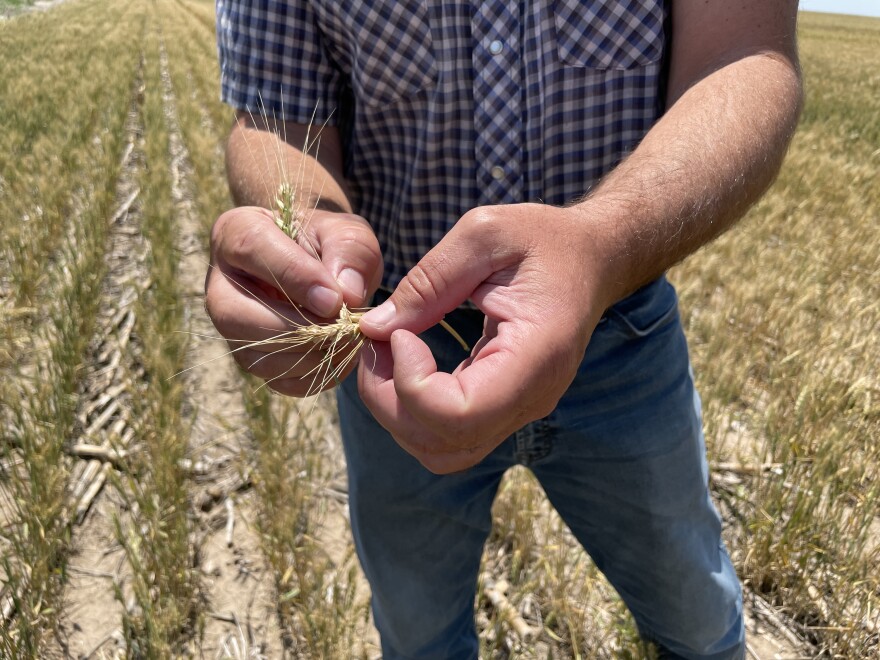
(341, 340)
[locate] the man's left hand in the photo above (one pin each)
(537, 274)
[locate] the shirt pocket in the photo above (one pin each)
(391, 50)
(609, 34)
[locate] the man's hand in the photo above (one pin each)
(262, 283)
(529, 268)
(543, 276)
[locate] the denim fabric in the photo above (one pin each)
(621, 458)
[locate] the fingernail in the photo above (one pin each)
(322, 301)
(353, 281)
(381, 315)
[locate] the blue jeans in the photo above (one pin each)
(621, 459)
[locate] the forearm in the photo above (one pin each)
(697, 171)
(259, 158)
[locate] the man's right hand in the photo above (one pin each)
(261, 283)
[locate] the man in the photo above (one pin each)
(529, 170)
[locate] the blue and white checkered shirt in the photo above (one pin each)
(448, 105)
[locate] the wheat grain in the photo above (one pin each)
(294, 202)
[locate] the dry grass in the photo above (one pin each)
(10, 8)
(51, 251)
(784, 321)
(319, 608)
(550, 582)
(163, 605)
(318, 605)
(782, 315)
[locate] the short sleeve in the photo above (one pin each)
(272, 58)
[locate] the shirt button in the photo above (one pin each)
(496, 47)
(497, 172)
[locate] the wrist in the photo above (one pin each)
(606, 262)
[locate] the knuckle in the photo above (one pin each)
(349, 232)
(357, 241)
(492, 231)
(485, 225)
(240, 232)
(481, 218)
(273, 374)
(286, 387)
(421, 285)
(493, 236)
(244, 359)
(355, 219)
(227, 225)
(445, 458)
(244, 242)
(290, 273)
(448, 465)
(354, 237)
(547, 409)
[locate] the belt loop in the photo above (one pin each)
(532, 442)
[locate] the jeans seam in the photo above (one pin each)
(533, 443)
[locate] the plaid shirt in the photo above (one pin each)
(448, 105)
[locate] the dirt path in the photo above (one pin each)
(93, 614)
(240, 588)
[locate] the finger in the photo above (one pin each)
(376, 386)
(310, 385)
(440, 401)
(505, 386)
(430, 449)
(292, 387)
(490, 331)
(441, 281)
(378, 375)
(450, 463)
(381, 369)
(298, 388)
(350, 251)
(243, 314)
(248, 240)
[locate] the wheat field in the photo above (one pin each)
(155, 503)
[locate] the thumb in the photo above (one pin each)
(443, 279)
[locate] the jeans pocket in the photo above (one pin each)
(645, 312)
(609, 34)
